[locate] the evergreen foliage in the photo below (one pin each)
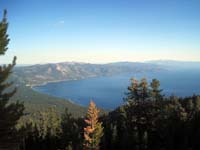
(72, 131)
(10, 113)
(150, 121)
(146, 121)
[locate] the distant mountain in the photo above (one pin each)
(43, 73)
(174, 64)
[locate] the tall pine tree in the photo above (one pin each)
(10, 113)
(94, 130)
(155, 90)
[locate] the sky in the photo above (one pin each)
(101, 31)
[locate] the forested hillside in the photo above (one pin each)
(35, 102)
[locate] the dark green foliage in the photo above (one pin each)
(50, 131)
(34, 102)
(4, 40)
(155, 92)
(10, 113)
(72, 131)
(42, 133)
(147, 121)
(150, 121)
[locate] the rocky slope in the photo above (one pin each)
(43, 73)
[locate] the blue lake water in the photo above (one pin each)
(108, 92)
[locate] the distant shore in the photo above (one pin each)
(57, 81)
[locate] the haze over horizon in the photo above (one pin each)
(103, 31)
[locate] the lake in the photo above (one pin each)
(108, 92)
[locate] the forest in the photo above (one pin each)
(148, 120)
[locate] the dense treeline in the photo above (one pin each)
(147, 120)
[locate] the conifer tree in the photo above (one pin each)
(72, 135)
(155, 90)
(144, 89)
(94, 130)
(10, 113)
(133, 91)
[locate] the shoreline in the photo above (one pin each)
(45, 83)
(64, 80)
(57, 81)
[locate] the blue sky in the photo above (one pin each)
(101, 31)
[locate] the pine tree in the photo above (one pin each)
(133, 91)
(10, 113)
(94, 130)
(144, 89)
(142, 110)
(155, 90)
(138, 91)
(72, 135)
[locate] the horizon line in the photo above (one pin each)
(144, 61)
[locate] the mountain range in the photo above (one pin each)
(43, 73)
